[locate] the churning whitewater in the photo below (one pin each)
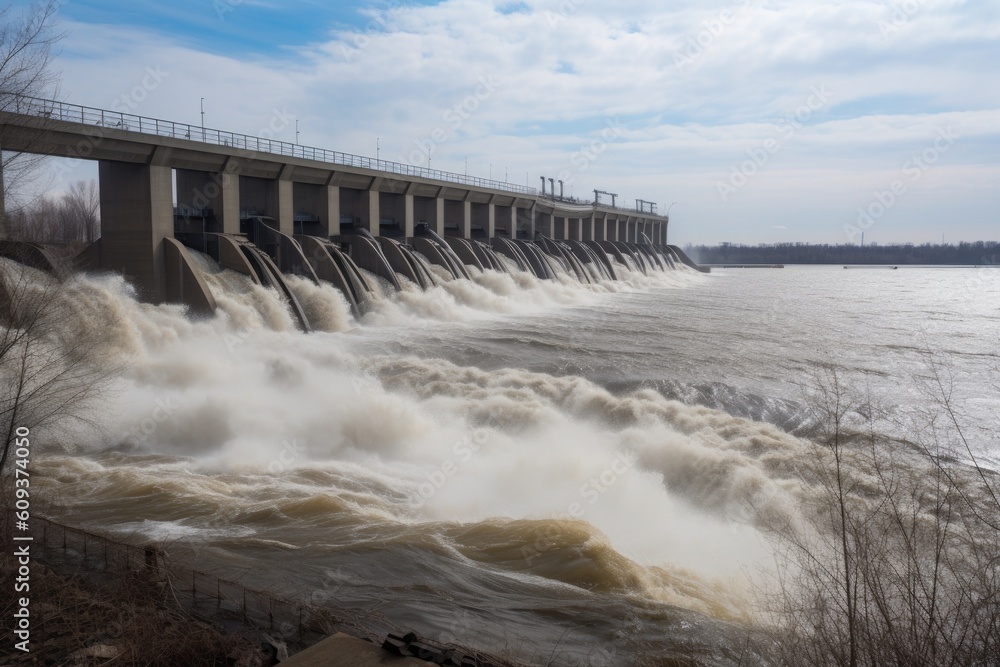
(421, 462)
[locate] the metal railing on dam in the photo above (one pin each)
(75, 113)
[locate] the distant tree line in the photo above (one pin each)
(975, 253)
(74, 217)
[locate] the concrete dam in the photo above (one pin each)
(268, 208)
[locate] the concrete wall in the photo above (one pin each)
(457, 218)
(219, 191)
(313, 201)
(425, 209)
(525, 224)
(137, 213)
(482, 220)
(355, 206)
(392, 207)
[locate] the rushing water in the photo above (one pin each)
(550, 471)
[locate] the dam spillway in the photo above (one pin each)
(268, 208)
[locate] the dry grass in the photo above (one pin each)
(901, 562)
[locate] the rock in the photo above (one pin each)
(249, 657)
(100, 651)
(276, 649)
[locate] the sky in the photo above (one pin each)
(750, 121)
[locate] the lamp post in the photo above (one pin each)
(296, 131)
(378, 147)
(203, 119)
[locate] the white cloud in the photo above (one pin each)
(560, 79)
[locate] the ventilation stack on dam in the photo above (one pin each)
(269, 209)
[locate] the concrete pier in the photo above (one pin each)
(136, 215)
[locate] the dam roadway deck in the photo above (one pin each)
(222, 179)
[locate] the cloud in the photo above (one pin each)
(564, 69)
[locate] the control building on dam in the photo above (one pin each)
(268, 208)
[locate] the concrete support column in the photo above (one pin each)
(332, 210)
(408, 218)
(466, 224)
(438, 225)
(491, 221)
(513, 220)
(285, 193)
(227, 204)
(137, 213)
(374, 211)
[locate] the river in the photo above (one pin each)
(555, 473)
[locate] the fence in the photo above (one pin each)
(74, 113)
(231, 604)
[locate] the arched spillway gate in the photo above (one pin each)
(267, 257)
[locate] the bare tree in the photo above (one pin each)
(901, 562)
(72, 218)
(27, 37)
(83, 206)
(50, 366)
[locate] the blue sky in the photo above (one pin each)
(764, 121)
